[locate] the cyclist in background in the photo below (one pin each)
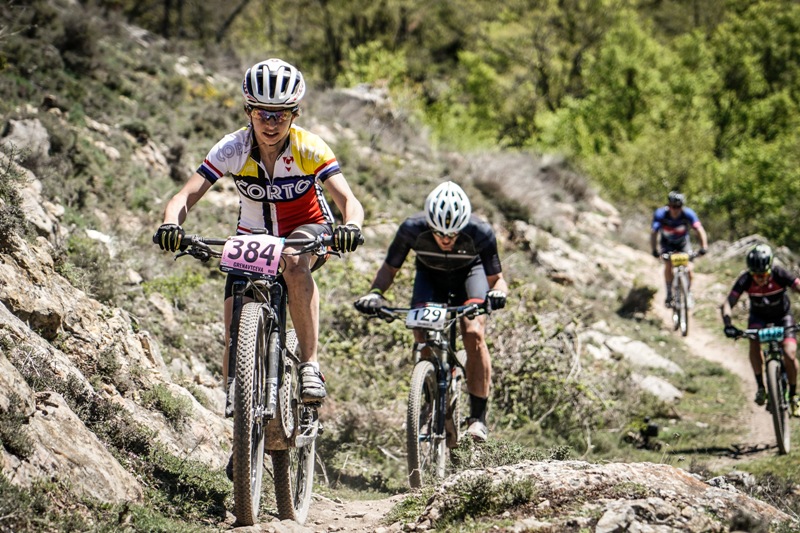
(672, 223)
(279, 170)
(767, 285)
(456, 254)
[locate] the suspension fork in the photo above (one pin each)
(274, 362)
(233, 339)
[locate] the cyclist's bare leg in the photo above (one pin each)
(303, 304)
(479, 363)
(790, 360)
(756, 360)
(668, 276)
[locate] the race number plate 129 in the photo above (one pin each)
(250, 255)
(429, 317)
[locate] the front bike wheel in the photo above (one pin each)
(778, 405)
(426, 450)
(248, 401)
(683, 314)
(293, 468)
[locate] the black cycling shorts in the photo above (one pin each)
(310, 231)
(680, 246)
(455, 287)
(756, 321)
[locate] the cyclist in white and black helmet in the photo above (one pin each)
(279, 170)
(768, 287)
(669, 232)
(456, 254)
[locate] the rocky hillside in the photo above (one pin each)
(109, 349)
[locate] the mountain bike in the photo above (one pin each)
(771, 339)
(433, 418)
(680, 288)
(268, 413)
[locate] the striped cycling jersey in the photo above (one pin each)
(674, 230)
(291, 197)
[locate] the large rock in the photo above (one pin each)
(572, 495)
(64, 449)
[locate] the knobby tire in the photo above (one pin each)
(683, 314)
(778, 405)
(248, 429)
(293, 468)
(426, 453)
(676, 303)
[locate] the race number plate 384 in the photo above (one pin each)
(428, 317)
(252, 255)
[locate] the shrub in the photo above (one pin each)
(174, 408)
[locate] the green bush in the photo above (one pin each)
(174, 408)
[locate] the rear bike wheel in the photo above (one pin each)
(248, 402)
(426, 451)
(778, 405)
(293, 468)
(683, 307)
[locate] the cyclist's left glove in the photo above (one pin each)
(346, 238)
(497, 299)
(702, 251)
(169, 237)
(731, 332)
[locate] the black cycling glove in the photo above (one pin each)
(169, 237)
(731, 332)
(497, 299)
(347, 238)
(370, 302)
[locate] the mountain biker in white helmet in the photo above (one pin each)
(457, 263)
(279, 170)
(768, 287)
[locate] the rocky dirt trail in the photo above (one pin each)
(330, 516)
(707, 344)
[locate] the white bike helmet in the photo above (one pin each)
(273, 82)
(447, 208)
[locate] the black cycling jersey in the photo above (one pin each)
(770, 300)
(476, 243)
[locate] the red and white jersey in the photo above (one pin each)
(288, 199)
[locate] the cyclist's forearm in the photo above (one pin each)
(384, 278)
(497, 282)
(725, 310)
(653, 239)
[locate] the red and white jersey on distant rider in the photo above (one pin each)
(292, 196)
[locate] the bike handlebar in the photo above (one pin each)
(754, 333)
(389, 314)
(692, 255)
(200, 247)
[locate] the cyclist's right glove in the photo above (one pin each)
(169, 237)
(370, 302)
(656, 254)
(731, 332)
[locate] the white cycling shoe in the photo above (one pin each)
(477, 430)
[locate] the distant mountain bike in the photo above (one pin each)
(771, 339)
(268, 413)
(680, 303)
(433, 418)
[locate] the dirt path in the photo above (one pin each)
(728, 354)
(329, 516)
